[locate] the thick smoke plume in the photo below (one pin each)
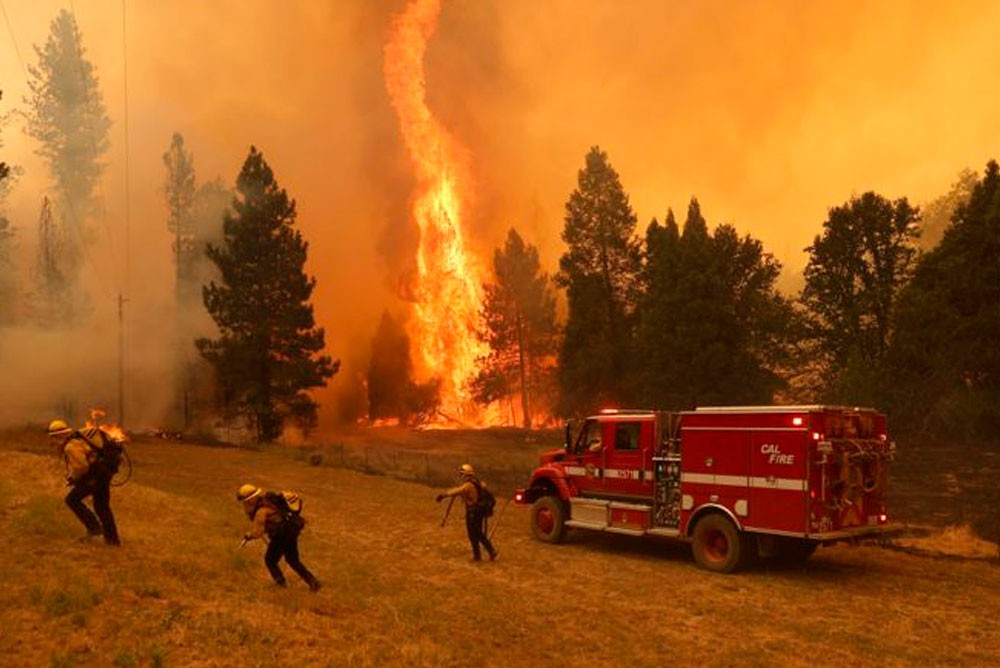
(769, 113)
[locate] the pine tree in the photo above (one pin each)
(599, 272)
(520, 320)
(179, 190)
(67, 117)
(936, 215)
(712, 326)
(52, 304)
(6, 239)
(392, 391)
(268, 353)
(855, 271)
(944, 358)
(4, 169)
(390, 371)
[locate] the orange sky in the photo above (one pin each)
(769, 112)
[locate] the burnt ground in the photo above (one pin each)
(947, 484)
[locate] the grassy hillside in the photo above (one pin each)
(401, 591)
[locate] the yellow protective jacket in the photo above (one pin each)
(467, 490)
(78, 454)
(265, 519)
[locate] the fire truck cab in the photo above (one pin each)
(739, 483)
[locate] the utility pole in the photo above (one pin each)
(121, 361)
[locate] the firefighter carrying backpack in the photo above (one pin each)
(108, 451)
(289, 506)
(485, 501)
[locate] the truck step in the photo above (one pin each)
(580, 524)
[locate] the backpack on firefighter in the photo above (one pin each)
(289, 506)
(108, 451)
(485, 501)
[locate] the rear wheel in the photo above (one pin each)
(718, 546)
(548, 519)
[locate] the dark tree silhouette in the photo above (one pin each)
(268, 353)
(599, 272)
(855, 271)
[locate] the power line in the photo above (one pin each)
(13, 40)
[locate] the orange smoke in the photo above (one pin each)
(446, 294)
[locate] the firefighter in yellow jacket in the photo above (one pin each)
(282, 534)
(86, 477)
(475, 522)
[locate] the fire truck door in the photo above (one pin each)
(628, 455)
(585, 463)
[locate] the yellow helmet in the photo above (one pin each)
(466, 469)
(247, 492)
(59, 428)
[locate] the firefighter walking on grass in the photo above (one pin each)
(271, 516)
(471, 489)
(87, 475)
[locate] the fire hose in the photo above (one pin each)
(447, 511)
(496, 524)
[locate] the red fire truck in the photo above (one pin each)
(739, 483)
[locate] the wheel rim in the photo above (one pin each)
(544, 521)
(716, 547)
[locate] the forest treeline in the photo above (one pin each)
(899, 306)
(684, 314)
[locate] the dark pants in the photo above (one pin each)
(475, 526)
(285, 543)
(97, 485)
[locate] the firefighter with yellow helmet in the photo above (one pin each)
(273, 515)
(86, 475)
(469, 489)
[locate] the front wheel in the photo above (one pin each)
(548, 519)
(718, 546)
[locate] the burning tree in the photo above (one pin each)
(268, 351)
(520, 321)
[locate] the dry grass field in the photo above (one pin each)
(399, 590)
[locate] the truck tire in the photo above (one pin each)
(718, 546)
(548, 519)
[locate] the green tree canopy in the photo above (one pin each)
(855, 271)
(268, 353)
(945, 357)
(520, 319)
(599, 272)
(712, 326)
